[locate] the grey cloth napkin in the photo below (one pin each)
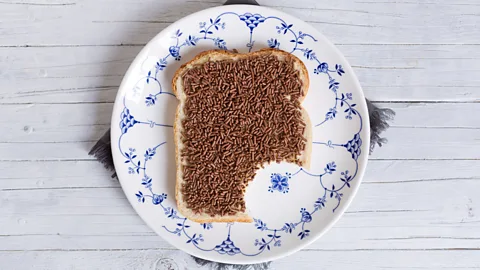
(379, 118)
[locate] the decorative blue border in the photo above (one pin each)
(279, 182)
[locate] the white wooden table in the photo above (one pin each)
(61, 62)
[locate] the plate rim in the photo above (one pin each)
(365, 143)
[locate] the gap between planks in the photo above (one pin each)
(363, 183)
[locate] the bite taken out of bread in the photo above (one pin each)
(236, 114)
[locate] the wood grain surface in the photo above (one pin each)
(61, 62)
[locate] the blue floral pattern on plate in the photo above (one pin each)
(279, 182)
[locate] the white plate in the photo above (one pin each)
(292, 207)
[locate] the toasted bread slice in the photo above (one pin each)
(178, 88)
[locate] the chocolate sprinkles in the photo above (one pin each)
(239, 115)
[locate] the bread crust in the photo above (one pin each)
(221, 55)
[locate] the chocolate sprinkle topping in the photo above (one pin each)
(239, 115)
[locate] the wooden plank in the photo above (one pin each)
(403, 143)
(46, 151)
(396, 259)
(386, 72)
(49, 123)
(127, 259)
(67, 131)
(436, 115)
(54, 174)
(425, 214)
(344, 22)
(86, 122)
(56, 75)
(91, 174)
(429, 143)
(398, 171)
(174, 260)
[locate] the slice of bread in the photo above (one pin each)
(302, 159)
